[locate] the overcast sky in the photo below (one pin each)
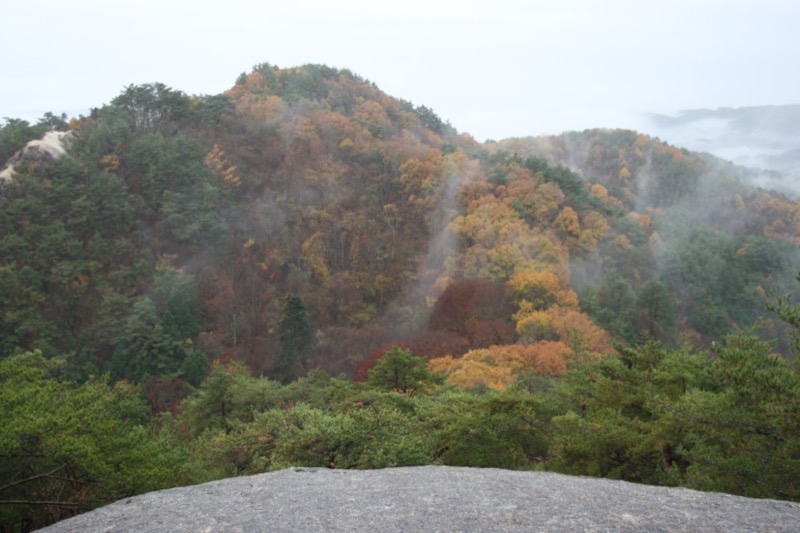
(494, 69)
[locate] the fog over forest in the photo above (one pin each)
(761, 137)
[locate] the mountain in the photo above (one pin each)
(181, 284)
(306, 219)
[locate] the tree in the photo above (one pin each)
(469, 301)
(496, 367)
(54, 122)
(789, 312)
(567, 222)
(151, 105)
(145, 348)
(431, 120)
(493, 429)
(178, 304)
(548, 358)
(213, 110)
(400, 370)
(228, 396)
(534, 326)
(743, 436)
(66, 447)
(568, 325)
(614, 307)
(655, 311)
(16, 133)
(219, 165)
(296, 334)
(542, 289)
(610, 413)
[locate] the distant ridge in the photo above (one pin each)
(765, 137)
(751, 120)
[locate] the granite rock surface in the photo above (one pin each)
(430, 498)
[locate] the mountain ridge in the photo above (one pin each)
(358, 201)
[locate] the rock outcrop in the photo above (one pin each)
(431, 498)
(53, 145)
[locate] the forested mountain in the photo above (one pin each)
(304, 220)
(716, 244)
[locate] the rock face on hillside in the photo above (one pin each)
(431, 499)
(53, 145)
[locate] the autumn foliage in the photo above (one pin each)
(305, 224)
(387, 224)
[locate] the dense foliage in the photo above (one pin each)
(558, 302)
(725, 420)
(67, 447)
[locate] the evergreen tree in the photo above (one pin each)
(296, 334)
(655, 311)
(401, 371)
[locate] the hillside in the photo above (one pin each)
(180, 285)
(196, 222)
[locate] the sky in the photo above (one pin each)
(497, 69)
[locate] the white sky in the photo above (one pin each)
(493, 69)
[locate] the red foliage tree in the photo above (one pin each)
(476, 309)
(438, 343)
(470, 300)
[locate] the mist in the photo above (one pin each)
(765, 138)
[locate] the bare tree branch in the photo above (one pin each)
(87, 505)
(32, 478)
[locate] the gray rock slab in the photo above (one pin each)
(430, 499)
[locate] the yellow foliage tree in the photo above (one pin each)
(541, 289)
(219, 165)
(622, 242)
(600, 192)
(110, 163)
(313, 254)
(496, 367)
(533, 326)
(568, 223)
(595, 227)
(497, 243)
(624, 175)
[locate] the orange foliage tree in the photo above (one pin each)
(549, 357)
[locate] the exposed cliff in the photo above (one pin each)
(52, 146)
